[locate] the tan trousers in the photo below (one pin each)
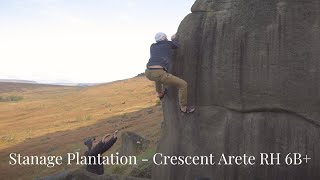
(161, 77)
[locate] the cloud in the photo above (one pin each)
(127, 19)
(131, 4)
(47, 9)
(189, 3)
(61, 16)
(44, 1)
(32, 3)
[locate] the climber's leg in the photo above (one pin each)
(161, 77)
(158, 87)
(171, 80)
(155, 75)
(182, 85)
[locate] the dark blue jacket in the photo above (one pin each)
(161, 53)
(100, 148)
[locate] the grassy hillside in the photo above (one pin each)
(54, 120)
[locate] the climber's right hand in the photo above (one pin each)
(173, 37)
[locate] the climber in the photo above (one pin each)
(95, 148)
(157, 70)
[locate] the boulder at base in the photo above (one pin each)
(133, 144)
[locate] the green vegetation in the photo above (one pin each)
(142, 170)
(10, 98)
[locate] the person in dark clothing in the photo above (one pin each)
(95, 148)
(157, 70)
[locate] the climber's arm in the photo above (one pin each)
(108, 144)
(101, 147)
(174, 42)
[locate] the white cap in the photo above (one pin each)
(160, 36)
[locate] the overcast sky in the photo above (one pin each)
(82, 40)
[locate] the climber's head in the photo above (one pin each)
(160, 36)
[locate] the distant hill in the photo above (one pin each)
(75, 84)
(14, 87)
(49, 83)
(18, 81)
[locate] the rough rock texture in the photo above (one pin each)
(253, 68)
(80, 174)
(132, 144)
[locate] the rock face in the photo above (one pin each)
(133, 144)
(253, 68)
